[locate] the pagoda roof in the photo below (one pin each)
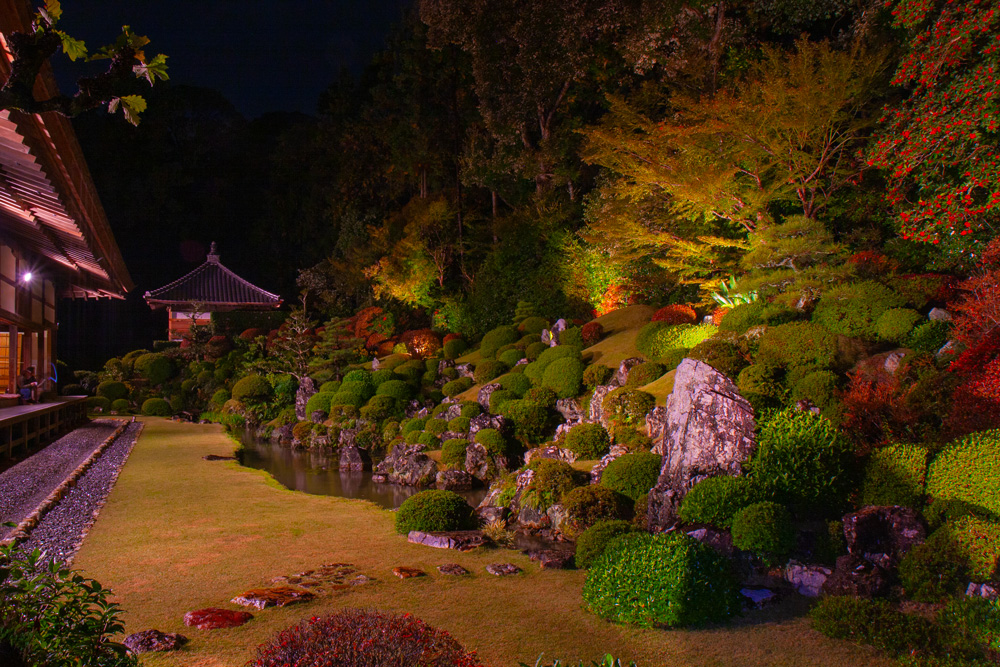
(212, 287)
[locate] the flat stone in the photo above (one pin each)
(149, 641)
(939, 315)
(550, 452)
(213, 618)
(808, 580)
(275, 596)
(981, 590)
(452, 569)
(551, 559)
(502, 569)
(328, 577)
(459, 540)
(404, 572)
(758, 598)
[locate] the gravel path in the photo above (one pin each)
(28, 483)
(62, 529)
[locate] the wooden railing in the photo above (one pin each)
(36, 425)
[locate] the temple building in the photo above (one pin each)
(55, 240)
(210, 288)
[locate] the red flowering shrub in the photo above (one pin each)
(421, 343)
(871, 264)
(363, 638)
(676, 314)
(592, 332)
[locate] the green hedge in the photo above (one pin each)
(895, 475)
(968, 469)
(655, 340)
(112, 390)
(156, 367)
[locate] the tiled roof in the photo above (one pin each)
(212, 287)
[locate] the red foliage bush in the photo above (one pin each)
(363, 321)
(718, 314)
(421, 343)
(592, 332)
(250, 334)
(676, 314)
(373, 342)
(450, 337)
(871, 264)
(363, 638)
(386, 347)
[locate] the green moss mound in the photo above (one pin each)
(511, 357)
(564, 377)
(112, 390)
(854, 308)
(499, 397)
(536, 369)
(764, 529)
(453, 452)
(655, 340)
(434, 510)
(155, 367)
(459, 424)
(533, 325)
(895, 475)
(968, 469)
(594, 540)
(632, 475)
(715, 501)
(456, 387)
(496, 339)
(588, 441)
(330, 386)
(252, 389)
(379, 407)
(665, 580)
(156, 407)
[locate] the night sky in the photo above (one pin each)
(263, 55)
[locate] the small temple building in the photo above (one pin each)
(210, 288)
(55, 240)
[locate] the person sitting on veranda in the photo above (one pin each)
(27, 385)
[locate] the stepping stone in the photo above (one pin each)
(502, 569)
(328, 577)
(758, 598)
(213, 618)
(551, 559)
(216, 457)
(460, 540)
(276, 596)
(149, 641)
(404, 572)
(453, 569)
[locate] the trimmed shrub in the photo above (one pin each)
(456, 387)
(643, 374)
(933, 571)
(968, 469)
(412, 437)
(759, 385)
(533, 325)
(471, 409)
(928, 337)
(532, 352)
(219, 398)
(632, 475)
(511, 357)
(121, 405)
(362, 388)
(656, 339)
(330, 387)
(363, 638)
(347, 398)
(536, 369)
(429, 440)
(112, 390)
(798, 347)
(722, 355)
(302, 430)
(156, 407)
(156, 367)
(319, 403)
(487, 371)
(449, 373)
(896, 324)
(564, 377)
(943, 510)
(977, 542)
(453, 452)
(676, 313)
(496, 339)
(414, 424)
(459, 424)
(591, 333)
(499, 397)
(764, 529)
(517, 384)
(455, 348)
(586, 505)
(594, 540)
(436, 426)
(358, 375)
(252, 389)
(530, 420)
(853, 308)
(98, 404)
(715, 501)
(627, 405)
(895, 475)
(632, 439)
(588, 441)
(673, 358)
(820, 388)
(434, 510)
(379, 408)
(552, 480)
(663, 580)
(380, 376)
(802, 461)
(974, 619)
(596, 374)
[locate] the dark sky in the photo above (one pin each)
(263, 55)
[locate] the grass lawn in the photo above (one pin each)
(179, 533)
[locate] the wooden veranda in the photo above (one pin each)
(36, 425)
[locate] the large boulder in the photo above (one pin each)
(709, 431)
(307, 387)
(598, 469)
(498, 422)
(569, 409)
(596, 412)
(883, 535)
(621, 377)
(857, 577)
(454, 480)
(483, 397)
(354, 458)
(481, 465)
(407, 465)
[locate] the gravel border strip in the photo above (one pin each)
(100, 503)
(20, 532)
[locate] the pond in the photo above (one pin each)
(317, 473)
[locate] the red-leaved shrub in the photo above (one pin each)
(676, 314)
(252, 333)
(592, 332)
(450, 337)
(718, 314)
(421, 343)
(871, 264)
(363, 321)
(373, 341)
(363, 638)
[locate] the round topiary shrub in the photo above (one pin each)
(968, 469)
(534, 350)
(974, 542)
(721, 354)
(853, 309)
(330, 387)
(378, 408)
(112, 390)
(564, 377)
(819, 388)
(488, 370)
(586, 505)
(414, 424)
(632, 439)
(74, 390)
(98, 404)
(928, 337)
(656, 339)
(453, 452)
(592, 542)
(588, 441)
(156, 407)
(895, 475)
(895, 324)
(456, 387)
(942, 510)
(533, 325)
(536, 369)
(530, 420)
(363, 638)
(591, 333)
(627, 405)
(759, 384)
(596, 374)
(802, 461)
(643, 374)
(252, 389)
(434, 510)
(493, 441)
(496, 339)
(157, 368)
(302, 430)
(219, 399)
(676, 313)
(121, 405)
(511, 357)
(552, 480)
(429, 440)
(319, 403)
(543, 397)
(632, 475)
(412, 437)
(363, 388)
(798, 347)
(764, 529)
(343, 397)
(933, 571)
(358, 375)
(471, 409)
(436, 426)
(459, 424)
(715, 500)
(455, 348)
(498, 398)
(665, 580)
(382, 375)
(517, 384)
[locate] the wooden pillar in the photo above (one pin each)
(14, 370)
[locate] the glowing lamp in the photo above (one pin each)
(27, 276)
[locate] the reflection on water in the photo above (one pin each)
(316, 473)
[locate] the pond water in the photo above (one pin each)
(317, 473)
